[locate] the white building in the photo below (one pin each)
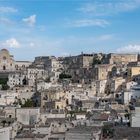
(7, 97)
(22, 65)
(28, 116)
(80, 116)
(129, 85)
(135, 118)
(34, 74)
(24, 93)
(17, 79)
(54, 68)
(10, 112)
(5, 133)
(133, 93)
(100, 87)
(93, 87)
(116, 83)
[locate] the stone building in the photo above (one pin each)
(14, 71)
(22, 65)
(54, 68)
(83, 133)
(101, 87)
(7, 97)
(52, 65)
(126, 133)
(133, 71)
(40, 61)
(79, 61)
(53, 98)
(7, 62)
(103, 71)
(34, 74)
(79, 67)
(120, 58)
(116, 84)
(28, 116)
(135, 122)
(5, 133)
(17, 79)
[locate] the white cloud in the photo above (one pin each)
(7, 9)
(89, 22)
(31, 44)
(30, 20)
(129, 49)
(11, 43)
(5, 21)
(105, 37)
(98, 8)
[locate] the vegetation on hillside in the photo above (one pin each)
(3, 83)
(96, 61)
(64, 76)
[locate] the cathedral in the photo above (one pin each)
(7, 62)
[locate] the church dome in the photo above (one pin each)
(4, 50)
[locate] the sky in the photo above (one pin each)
(30, 28)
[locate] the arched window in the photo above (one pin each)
(4, 68)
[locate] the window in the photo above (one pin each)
(23, 66)
(4, 68)
(4, 57)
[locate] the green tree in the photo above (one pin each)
(64, 76)
(96, 60)
(5, 87)
(3, 82)
(47, 80)
(3, 123)
(28, 103)
(108, 131)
